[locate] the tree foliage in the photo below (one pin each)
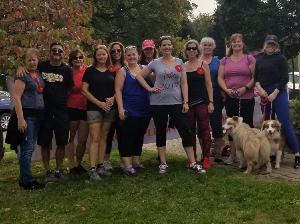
(132, 21)
(255, 19)
(37, 23)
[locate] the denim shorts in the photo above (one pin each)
(101, 116)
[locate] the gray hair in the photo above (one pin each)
(208, 40)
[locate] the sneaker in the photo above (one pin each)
(138, 166)
(107, 165)
(197, 168)
(61, 176)
(297, 162)
(50, 177)
(33, 185)
(129, 171)
(73, 171)
(94, 176)
(163, 168)
(206, 163)
(101, 170)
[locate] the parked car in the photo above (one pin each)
(5, 109)
(293, 92)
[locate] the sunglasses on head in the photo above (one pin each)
(79, 57)
(115, 51)
(191, 48)
(56, 50)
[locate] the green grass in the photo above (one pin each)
(221, 196)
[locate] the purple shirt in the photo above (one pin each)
(237, 73)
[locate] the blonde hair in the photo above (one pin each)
(192, 41)
(32, 51)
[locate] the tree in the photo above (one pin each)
(132, 21)
(37, 23)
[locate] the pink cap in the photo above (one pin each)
(148, 44)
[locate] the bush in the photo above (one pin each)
(295, 114)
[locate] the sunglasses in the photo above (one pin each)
(130, 47)
(113, 51)
(165, 37)
(56, 50)
(191, 48)
(79, 57)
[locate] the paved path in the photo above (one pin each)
(286, 171)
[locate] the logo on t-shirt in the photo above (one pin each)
(170, 80)
(52, 77)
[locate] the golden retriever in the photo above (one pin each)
(252, 146)
(272, 130)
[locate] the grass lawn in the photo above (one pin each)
(221, 196)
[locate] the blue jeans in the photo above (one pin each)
(280, 107)
(27, 147)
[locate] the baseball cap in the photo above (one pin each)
(271, 39)
(148, 44)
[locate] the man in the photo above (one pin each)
(58, 83)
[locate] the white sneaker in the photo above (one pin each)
(163, 168)
(94, 176)
(103, 171)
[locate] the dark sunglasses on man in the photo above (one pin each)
(57, 50)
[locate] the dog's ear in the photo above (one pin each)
(235, 118)
(263, 125)
(240, 119)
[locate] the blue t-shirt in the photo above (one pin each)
(136, 100)
(214, 67)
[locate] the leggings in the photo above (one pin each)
(160, 116)
(199, 115)
(131, 137)
(280, 107)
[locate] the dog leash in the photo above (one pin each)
(264, 102)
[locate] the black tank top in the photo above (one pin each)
(197, 87)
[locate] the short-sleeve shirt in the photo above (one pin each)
(31, 99)
(76, 99)
(101, 85)
(168, 78)
(237, 74)
(58, 83)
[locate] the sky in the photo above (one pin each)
(204, 6)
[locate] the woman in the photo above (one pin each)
(148, 53)
(271, 77)
(77, 114)
(169, 96)
(116, 50)
(236, 79)
(134, 112)
(200, 94)
(29, 105)
(98, 88)
(207, 46)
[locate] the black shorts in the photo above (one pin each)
(57, 122)
(77, 114)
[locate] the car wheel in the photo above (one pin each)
(4, 119)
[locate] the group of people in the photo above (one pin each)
(122, 90)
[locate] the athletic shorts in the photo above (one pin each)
(77, 114)
(101, 116)
(56, 122)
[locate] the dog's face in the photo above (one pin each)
(231, 123)
(271, 128)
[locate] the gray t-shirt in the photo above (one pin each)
(169, 79)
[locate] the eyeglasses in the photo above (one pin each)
(79, 57)
(114, 51)
(56, 50)
(191, 48)
(130, 47)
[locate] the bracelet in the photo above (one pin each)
(185, 102)
(247, 88)
(211, 101)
